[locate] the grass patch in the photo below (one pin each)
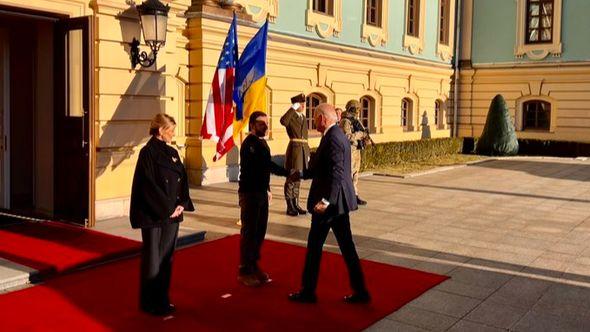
(405, 167)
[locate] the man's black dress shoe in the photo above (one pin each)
(359, 201)
(302, 297)
(358, 298)
(160, 311)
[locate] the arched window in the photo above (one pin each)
(374, 8)
(324, 6)
(406, 114)
(311, 102)
(413, 21)
(536, 115)
(539, 21)
(439, 114)
(367, 112)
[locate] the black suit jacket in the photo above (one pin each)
(330, 170)
(160, 183)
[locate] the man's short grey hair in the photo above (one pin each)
(327, 111)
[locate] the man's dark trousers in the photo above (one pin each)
(254, 216)
(320, 226)
(156, 264)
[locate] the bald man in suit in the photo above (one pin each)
(331, 199)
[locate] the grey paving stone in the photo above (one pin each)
(520, 292)
(543, 322)
(445, 303)
(480, 277)
(387, 325)
(497, 315)
(423, 318)
(467, 326)
(456, 287)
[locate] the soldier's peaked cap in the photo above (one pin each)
(300, 98)
(353, 105)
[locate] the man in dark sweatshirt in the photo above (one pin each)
(254, 192)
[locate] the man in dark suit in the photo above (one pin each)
(331, 198)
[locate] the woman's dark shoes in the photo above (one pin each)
(358, 298)
(303, 297)
(250, 280)
(160, 311)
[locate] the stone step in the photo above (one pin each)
(14, 276)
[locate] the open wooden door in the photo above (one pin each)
(4, 121)
(73, 102)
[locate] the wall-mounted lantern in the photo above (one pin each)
(153, 16)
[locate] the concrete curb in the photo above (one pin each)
(475, 162)
(433, 170)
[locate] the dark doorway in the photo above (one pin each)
(44, 160)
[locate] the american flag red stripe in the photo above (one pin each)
(219, 112)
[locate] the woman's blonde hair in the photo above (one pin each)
(161, 120)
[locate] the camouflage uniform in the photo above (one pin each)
(355, 137)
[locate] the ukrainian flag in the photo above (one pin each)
(249, 92)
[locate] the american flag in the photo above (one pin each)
(219, 114)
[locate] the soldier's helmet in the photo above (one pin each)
(353, 106)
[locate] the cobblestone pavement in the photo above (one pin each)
(513, 235)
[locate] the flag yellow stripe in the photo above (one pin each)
(254, 100)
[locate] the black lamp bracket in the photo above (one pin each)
(141, 57)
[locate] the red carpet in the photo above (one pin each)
(51, 247)
(105, 297)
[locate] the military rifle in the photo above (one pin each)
(358, 126)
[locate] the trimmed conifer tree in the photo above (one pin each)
(498, 137)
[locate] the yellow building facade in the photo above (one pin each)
(108, 104)
(546, 83)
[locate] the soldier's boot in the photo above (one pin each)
(291, 211)
(299, 209)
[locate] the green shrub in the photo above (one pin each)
(392, 153)
(498, 137)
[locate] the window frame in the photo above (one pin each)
(375, 21)
(328, 4)
(369, 117)
(309, 108)
(413, 18)
(325, 25)
(529, 16)
(407, 106)
(375, 34)
(538, 108)
(537, 51)
(444, 22)
(414, 42)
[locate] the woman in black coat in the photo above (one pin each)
(159, 196)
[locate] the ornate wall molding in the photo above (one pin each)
(537, 51)
(415, 45)
(324, 25)
(260, 9)
(374, 35)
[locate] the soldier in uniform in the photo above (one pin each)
(297, 155)
(357, 136)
